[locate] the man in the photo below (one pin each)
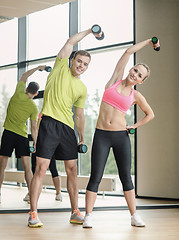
(56, 133)
(20, 108)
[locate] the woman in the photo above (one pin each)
(111, 130)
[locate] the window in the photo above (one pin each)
(48, 31)
(8, 79)
(114, 16)
(40, 76)
(8, 42)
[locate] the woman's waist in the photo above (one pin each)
(110, 123)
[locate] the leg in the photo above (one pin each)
(130, 199)
(122, 153)
(3, 164)
(27, 170)
(99, 155)
(33, 162)
(100, 152)
(72, 182)
(55, 176)
(36, 183)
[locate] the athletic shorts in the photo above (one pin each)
(56, 138)
(11, 141)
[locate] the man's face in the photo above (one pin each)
(79, 65)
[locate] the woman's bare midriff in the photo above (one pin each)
(110, 118)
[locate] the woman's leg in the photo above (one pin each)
(55, 176)
(99, 155)
(122, 153)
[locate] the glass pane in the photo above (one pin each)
(8, 78)
(114, 16)
(40, 76)
(48, 31)
(8, 42)
(100, 60)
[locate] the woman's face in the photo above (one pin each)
(137, 74)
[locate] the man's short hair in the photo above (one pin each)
(82, 53)
(33, 87)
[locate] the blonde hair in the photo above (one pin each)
(146, 67)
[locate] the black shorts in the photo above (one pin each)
(11, 140)
(56, 138)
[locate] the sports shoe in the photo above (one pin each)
(33, 220)
(0, 197)
(137, 221)
(87, 221)
(27, 198)
(58, 197)
(76, 217)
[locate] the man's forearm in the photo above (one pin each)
(80, 126)
(78, 37)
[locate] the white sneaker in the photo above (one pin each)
(58, 197)
(88, 221)
(0, 197)
(27, 198)
(137, 221)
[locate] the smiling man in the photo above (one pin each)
(56, 134)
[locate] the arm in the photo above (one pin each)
(71, 42)
(144, 106)
(119, 70)
(80, 123)
(34, 132)
(30, 72)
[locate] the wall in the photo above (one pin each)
(157, 142)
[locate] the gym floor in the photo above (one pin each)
(160, 223)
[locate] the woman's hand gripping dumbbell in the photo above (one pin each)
(156, 44)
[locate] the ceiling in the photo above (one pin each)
(20, 8)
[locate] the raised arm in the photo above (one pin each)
(80, 123)
(30, 72)
(71, 42)
(119, 70)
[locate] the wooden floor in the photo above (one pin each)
(108, 225)
(161, 224)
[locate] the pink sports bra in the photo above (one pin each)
(117, 100)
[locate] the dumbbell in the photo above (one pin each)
(154, 41)
(47, 69)
(82, 148)
(131, 130)
(96, 29)
(32, 149)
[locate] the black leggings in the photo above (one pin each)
(52, 166)
(120, 143)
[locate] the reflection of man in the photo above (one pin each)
(56, 132)
(20, 108)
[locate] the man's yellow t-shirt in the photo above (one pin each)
(61, 92)
(20, 108)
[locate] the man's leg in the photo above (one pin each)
(72, 182)
(27, 170)
(3, 164)
(35, 190)
(36, 183)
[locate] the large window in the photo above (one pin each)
(8, 42)
(48, 31)
(114, 16)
